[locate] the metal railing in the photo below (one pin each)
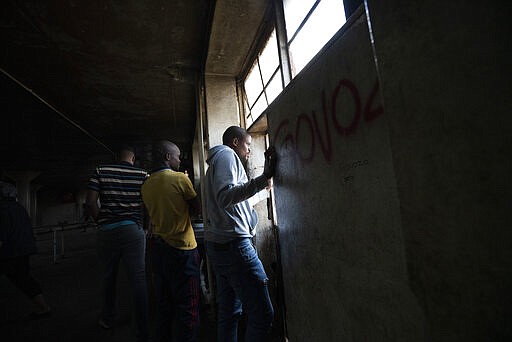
(60, 227)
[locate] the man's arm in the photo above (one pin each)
(194, 206)
(5, 227)
(92, 203)
(146, 221)
(147, 226)
(191, 197)
(228, 193)
(232, 194)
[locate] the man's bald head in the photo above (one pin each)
(168, 153)
(165, 146)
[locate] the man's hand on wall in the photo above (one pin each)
(269, 168)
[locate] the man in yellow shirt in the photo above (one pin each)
(170, 198)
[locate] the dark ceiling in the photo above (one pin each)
(80, 77)
(101, 73)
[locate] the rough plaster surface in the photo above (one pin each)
(221, 107)
(446, 93)
(264, 239)
(342, 248)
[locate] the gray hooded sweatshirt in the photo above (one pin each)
(227, 190)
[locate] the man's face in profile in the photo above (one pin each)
(242, 147)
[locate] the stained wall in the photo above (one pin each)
(392, 191)
(338, 213)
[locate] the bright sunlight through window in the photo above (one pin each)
(309, 26)
(325, 18)
(263, 83)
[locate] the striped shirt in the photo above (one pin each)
(119, 187)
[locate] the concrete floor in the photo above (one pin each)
(72, 288)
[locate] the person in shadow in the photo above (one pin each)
(16, 245)
(114, 202)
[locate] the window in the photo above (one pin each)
(309, 26)
(263, 82)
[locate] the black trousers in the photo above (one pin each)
(176, 282)
(17, 270)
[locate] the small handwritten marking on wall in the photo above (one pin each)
(353, 165)
(293, 138)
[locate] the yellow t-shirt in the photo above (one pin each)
(165, 194)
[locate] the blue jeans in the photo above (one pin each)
(176, 283)
(126, 243)
(242, 284)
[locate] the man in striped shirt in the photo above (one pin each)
(120, 235)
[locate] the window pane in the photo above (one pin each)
(252, 84)
(269, 58)
(259, 107)
(325, 21)
(249, 120)
(294, 12)
(248, 117)
(274, 88)
(247, 111)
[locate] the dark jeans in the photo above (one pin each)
(176, 281)
(126, 243)
(242, 284)
(17, 270)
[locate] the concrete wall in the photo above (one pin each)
(264, 239)
(52, 208)
(66, 212)
(221, 107)
(446, 91)
(338, 213)
(392, 190)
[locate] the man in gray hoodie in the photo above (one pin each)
(242, 283)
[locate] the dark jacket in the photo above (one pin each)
(15, 230)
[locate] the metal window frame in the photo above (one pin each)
(264, 84)
(306, 18)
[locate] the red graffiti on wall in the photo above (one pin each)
(309, 124)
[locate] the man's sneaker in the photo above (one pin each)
(103, 324)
